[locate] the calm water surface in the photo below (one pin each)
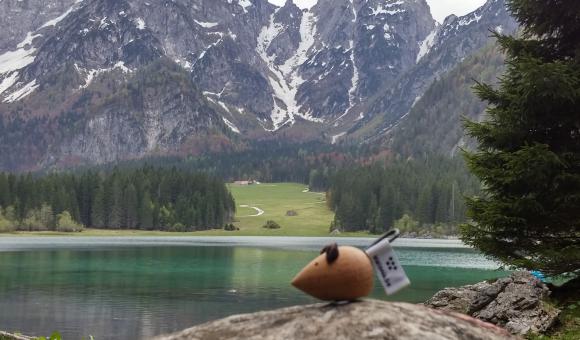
(134, 288)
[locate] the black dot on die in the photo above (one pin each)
(391, 258)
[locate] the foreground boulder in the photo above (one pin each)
(368, 319)
(516, 303)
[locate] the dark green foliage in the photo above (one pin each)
(528, 156)
(373, 198)
(272, 161)
(271, 225)
(231, 227)
(144, 198)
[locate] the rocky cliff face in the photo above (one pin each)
(444, 48)
(256, 70)
(20, 17)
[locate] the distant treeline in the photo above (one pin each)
(311, 163)
(143, 198)
(418, 196)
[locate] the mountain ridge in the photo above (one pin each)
(342, 68)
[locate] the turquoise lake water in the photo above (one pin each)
(135, 288)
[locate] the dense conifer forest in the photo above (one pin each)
(310, 163)
(145, 198)
(424, 197)
(368, 190)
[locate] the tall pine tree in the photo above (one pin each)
(529, 146)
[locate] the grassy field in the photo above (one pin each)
(274, 199)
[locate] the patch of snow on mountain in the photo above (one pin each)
(335, 138)
(8, 82)
(104, 23)
(90, 75)
(302, 4)
(56, 20)
(231, 125)
(355, 74)
(140, 23)
(206, 24)
(388, 8)
(425, 45)
(16, 60)
(245, 4)
(468, 19)
(28, 40)
(121, 65)
(212, 45)
(285, 79)
(23, 92)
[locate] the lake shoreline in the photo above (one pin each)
(89, 232)
(19, 243)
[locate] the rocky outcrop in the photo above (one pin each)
(516, 303)
(369, 319)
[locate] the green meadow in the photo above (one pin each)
(255, 205)
(275, 200)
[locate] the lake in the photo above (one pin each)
(138, 287)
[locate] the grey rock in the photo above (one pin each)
(19, 17)
(369, 319)
(343, 67)
(454, 40)
(516, 303)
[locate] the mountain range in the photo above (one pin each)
(96, 81)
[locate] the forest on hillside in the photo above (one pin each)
(146, 198)
(311, 163)
(433, 125)
(422, 197)
(367, 188)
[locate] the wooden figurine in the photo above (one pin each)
(338, 274)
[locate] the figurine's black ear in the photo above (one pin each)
(331, 251)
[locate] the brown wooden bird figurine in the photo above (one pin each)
(338, 274)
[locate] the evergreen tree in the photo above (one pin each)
(99, 212)
(425, 205)
(528, 156)
(146, 220)
(131, 204)
(122, 198)
(116, 217)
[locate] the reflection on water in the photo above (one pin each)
(130, 292)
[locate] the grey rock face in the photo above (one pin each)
(369, 319)
(340, 66)
(515, 303)
(19, 17)
(135, 123)
(449, 44)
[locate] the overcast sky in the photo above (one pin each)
(442, 8)
(439, 8)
